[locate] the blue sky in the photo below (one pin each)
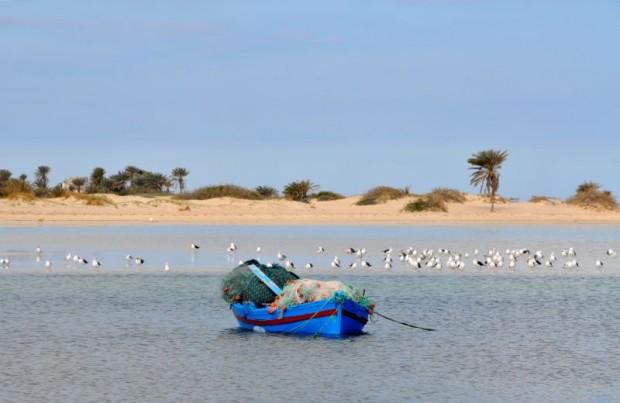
(348, 94)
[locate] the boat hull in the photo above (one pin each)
(326, 317)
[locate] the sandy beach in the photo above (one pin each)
(165, 209)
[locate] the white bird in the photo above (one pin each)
(512, 264)
(309, 266)
(320, 249)
(48, 264)
(6, 263)
(68, 257)
(258, 249)
(129, 258)
(611, 253)
(335, 264)
(233, 246)
(353, 265)
(599, 263)
(280, 256)
(96, 263)
(139, 260)
(194, 246)
(38, 250)
(81, 260)
(289, 265)
(388, 251)
(336, 260)
(387, 265)
(166, 267)
(552, 257)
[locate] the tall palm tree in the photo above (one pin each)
(41, 175)
(178, 176)
(486, 165)
(97, 178)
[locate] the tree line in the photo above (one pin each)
(486, 166)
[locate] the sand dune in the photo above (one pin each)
(164, 209)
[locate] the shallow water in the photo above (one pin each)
(129, 333)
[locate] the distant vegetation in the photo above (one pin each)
(212, 192)
(435, 200)
(546, 199)
(300, 191)
(448, 195)
(381, 194)
(327, 195)
(90, 199)
(136, 181)
(589, 195)
(267, 192)
(538, 199)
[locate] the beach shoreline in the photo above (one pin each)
(139, 210)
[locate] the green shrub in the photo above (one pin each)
(591, 197)
(448, 195)
(381, 194)
(217, 191)
(326, 195)
(426, 203)
(267, 192)
(90, 199)
(17, 189)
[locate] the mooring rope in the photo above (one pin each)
(403, 323)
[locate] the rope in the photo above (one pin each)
(403, 323)
(304, 323)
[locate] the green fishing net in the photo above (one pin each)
(306, 290)
(241, 285)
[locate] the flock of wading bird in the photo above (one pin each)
(407, 258)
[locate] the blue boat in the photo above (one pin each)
(337, 316)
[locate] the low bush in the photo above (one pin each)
(595, 199)
(267, 192)
(381, 194)
(217, 191)
(90, 199)
(426, 203)
(327, 195)
(448, 195)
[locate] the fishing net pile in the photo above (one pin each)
(300, 291)
(241, 285)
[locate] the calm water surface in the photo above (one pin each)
(128, 333)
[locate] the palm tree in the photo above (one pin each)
(178, 176)
(97, 178)
(486, 165)
(41, 177)
(78, 183)
(118, 182)
(299, 191)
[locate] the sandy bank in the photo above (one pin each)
(164, 209)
